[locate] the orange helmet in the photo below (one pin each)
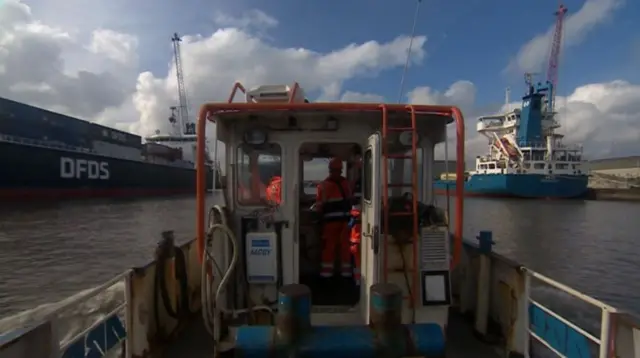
(335, 164)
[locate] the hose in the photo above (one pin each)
(210, 309)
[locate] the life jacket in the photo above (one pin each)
(334, 198)
(355, 224)
(274, 190)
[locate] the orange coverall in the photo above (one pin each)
(333, 197)
(274, 193)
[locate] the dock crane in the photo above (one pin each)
(554, 57)
(182, 120)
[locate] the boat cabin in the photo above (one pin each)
(295, 140)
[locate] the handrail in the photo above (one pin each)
(214, 108)
(606, 339)
(61, 338)
(236, 86)
(43, 143)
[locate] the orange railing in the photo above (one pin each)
(208, 110)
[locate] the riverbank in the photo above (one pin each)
(614, 194)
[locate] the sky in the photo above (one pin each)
(110, 61)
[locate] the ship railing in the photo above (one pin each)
(43, 143)
(560, 335)
(561, 146)
(57, 333)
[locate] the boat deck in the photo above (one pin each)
(195, 342)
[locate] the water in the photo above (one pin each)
(48, 253)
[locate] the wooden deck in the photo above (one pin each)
(195, 342)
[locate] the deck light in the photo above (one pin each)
(405, 138)
(255, 136)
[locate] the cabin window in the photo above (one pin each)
(538, 166)
(367, 168)
(562, 166)
(255, 169)
(492, 166)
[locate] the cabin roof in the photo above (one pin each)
(228, 117)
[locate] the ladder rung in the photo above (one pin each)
(399, 185)
(399, 129)
(402, 270)
(406, 213)
(399, 156)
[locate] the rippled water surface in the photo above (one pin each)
(50, 252)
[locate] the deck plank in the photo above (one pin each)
(195, 342)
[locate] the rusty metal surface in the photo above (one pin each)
(194, 342)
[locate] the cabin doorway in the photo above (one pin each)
(340, 289)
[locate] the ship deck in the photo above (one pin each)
(195, 342)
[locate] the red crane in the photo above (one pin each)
(554, 57)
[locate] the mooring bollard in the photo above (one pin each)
(294, 314)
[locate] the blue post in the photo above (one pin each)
(486, 241)
(293, 320)
(386, 319)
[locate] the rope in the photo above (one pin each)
(406, 64)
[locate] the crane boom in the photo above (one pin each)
(183, 107)
(554, 57)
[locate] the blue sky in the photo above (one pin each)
(472, 40)
(114, 57)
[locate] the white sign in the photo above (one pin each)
(72, 168)
(262, 258)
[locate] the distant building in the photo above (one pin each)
(626, 167)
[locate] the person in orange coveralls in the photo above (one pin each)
(274, 195)
(333, 200)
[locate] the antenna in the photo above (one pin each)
(186, 127)
(507, 100)
(406, 64)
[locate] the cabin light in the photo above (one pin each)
(405, 138)
(255, 136)
(332, 124)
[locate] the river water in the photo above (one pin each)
(52, 251)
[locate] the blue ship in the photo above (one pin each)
(526, 157)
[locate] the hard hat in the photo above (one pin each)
(335, 164)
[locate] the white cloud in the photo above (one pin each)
(116, 46)
(249, 20)
(48, 67)
(350, 96)
(35, 57)
(533, 55)
(97, 78)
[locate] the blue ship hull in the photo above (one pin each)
(519, 185)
